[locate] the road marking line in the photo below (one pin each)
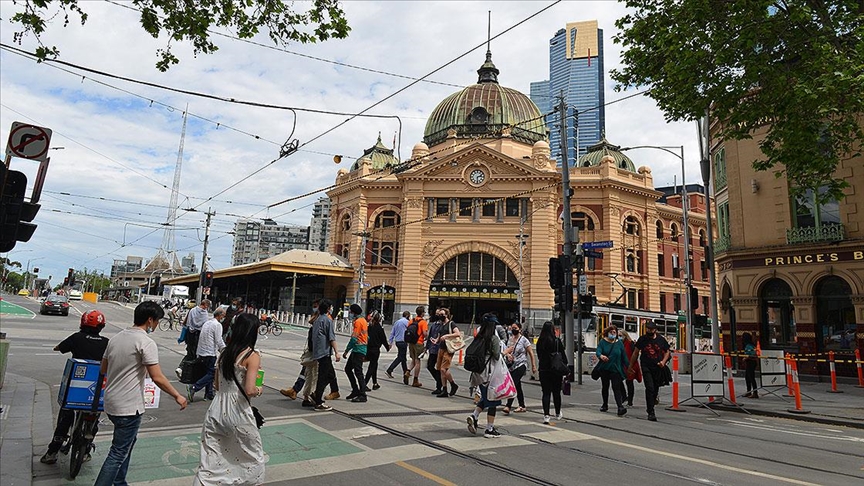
(425, 474)
(469, 444)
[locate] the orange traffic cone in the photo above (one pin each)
(758, 349)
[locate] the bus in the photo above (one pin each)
(669, 325)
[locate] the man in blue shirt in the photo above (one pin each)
(397, 335)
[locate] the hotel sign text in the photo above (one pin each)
(788, 260)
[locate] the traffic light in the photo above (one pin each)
(556, 273)
(694, 297)
(35, 269)
(560, 304)
(71, 277)
(207, 279)
(586, 303)
(15, 214)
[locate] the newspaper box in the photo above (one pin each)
(80, 384)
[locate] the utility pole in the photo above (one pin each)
(568, 235)
(199, 293)
(362, 273)
(705, 165)
(688, 282)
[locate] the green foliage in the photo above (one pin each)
(792, 70)
(193, 21)
(93, 280)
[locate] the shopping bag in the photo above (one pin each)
(501, 386)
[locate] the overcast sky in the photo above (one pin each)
(120, 139)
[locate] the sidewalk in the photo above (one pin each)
(26, 405)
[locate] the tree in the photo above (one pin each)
(192, 21)
(792, 68)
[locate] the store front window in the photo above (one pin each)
(778, 323)
(835, 315)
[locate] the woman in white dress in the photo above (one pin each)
(231, 449)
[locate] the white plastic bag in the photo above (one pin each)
(501, 386)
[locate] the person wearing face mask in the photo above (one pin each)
(235, 308)
(613, 362)
(653, 352)
(518, 354)
(357, 346)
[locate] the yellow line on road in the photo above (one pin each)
(425, 474)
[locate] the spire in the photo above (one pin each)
(488, 73)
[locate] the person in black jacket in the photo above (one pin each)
(550, 381)
(377, 338)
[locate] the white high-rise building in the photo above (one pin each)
(256, 240)
(319, 228)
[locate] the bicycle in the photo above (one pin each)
(267, 325)
(80, 441)
(171, 322)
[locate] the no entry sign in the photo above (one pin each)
(28, 141)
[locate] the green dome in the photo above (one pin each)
(486, 108)
(379, 157)
(601, 149)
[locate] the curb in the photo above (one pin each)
(801, 418)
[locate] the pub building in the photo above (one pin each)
(790, 269)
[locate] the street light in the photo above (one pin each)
(688, 283)
(27, 272)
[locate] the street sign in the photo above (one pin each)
(583, 284)
(593, 254)
(595, 245)
(28, 141)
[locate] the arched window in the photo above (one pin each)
(673, 230)
(476, 267)
(778, 325)
(387, 219)
(346, 251)
(582, 221)
(659, 229)
(631, 262)
(631, 226)
(702, 241)
(346, 222)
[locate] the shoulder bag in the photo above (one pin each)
(259, 419)
(456, 343)
(556, 361)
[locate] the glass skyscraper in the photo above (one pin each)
(576, 67)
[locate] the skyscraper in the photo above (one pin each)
(576, 67)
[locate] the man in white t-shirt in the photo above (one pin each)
(131, 356)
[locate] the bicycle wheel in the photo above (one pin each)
(262, 329)
(164, 324)
(277, 329)
(77, 451)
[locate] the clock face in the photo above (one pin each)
(477, 177)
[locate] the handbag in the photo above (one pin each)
(454, 344)
(501, 386)
(306, 357)
(595, 373)
(556, 360)
(259, 419)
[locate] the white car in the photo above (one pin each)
(75, 295)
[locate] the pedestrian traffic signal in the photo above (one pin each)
(15, 213)
(556, 273)
(207, 279)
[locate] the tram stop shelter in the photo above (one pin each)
(289, 282)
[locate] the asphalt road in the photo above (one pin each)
(405, 436)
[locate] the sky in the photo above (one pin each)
(115, 143)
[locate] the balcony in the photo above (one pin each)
(721, 244)
(815, 234)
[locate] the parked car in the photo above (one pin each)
(24, 293)
(55, 304)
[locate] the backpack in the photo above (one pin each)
(412, 332)
(475, 356)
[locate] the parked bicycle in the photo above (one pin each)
(269, 325)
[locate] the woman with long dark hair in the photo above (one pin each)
(550, 381)
(231, 449)
(377, 338)
(492, 352)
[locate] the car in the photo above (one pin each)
(24, 293)
(75, 294)
(55, 304)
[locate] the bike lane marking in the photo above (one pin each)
(10, 309)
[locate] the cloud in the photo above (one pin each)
(123, 147)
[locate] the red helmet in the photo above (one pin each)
(93, 318)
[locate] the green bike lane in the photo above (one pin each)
(9, 309)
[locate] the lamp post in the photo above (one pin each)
(27, 272)
(688, 282)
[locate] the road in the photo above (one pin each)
(403, 435)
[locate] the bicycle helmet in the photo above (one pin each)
(93, 318)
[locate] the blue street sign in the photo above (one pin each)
(594, 245)
(593, 254)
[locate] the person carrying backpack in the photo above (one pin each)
(415, 337)
(485, 349)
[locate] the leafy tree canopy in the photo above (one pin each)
(791, 68)
(192, 21)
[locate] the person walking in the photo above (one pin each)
(130, 356)
(397, 337)
(550, 380)
(634, 374)
(518, 354)
(357, 346)
(231, 447)
(235, 308)
(750, 363)
(492, 353)
(195, 320)
(433, 346)
(415, 338)
(445, 358)
(84, 344)
(613, 362)
(377, 338)
(652, 350)
(210, 344)
(323, 338)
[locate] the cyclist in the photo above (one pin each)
(84, 344)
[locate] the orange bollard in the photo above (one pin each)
(858, 364)
(758, 349)
(460, 357)
(798, 408)
(789, 385)
(674, 407)
(730, 380)
(833, 373)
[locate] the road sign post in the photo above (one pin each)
(28, 141)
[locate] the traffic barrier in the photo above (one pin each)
(674, 407)
(858, 364)
(460, 357)
(730, 380)
(791, 392)
(798, 408)
(833, 374)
